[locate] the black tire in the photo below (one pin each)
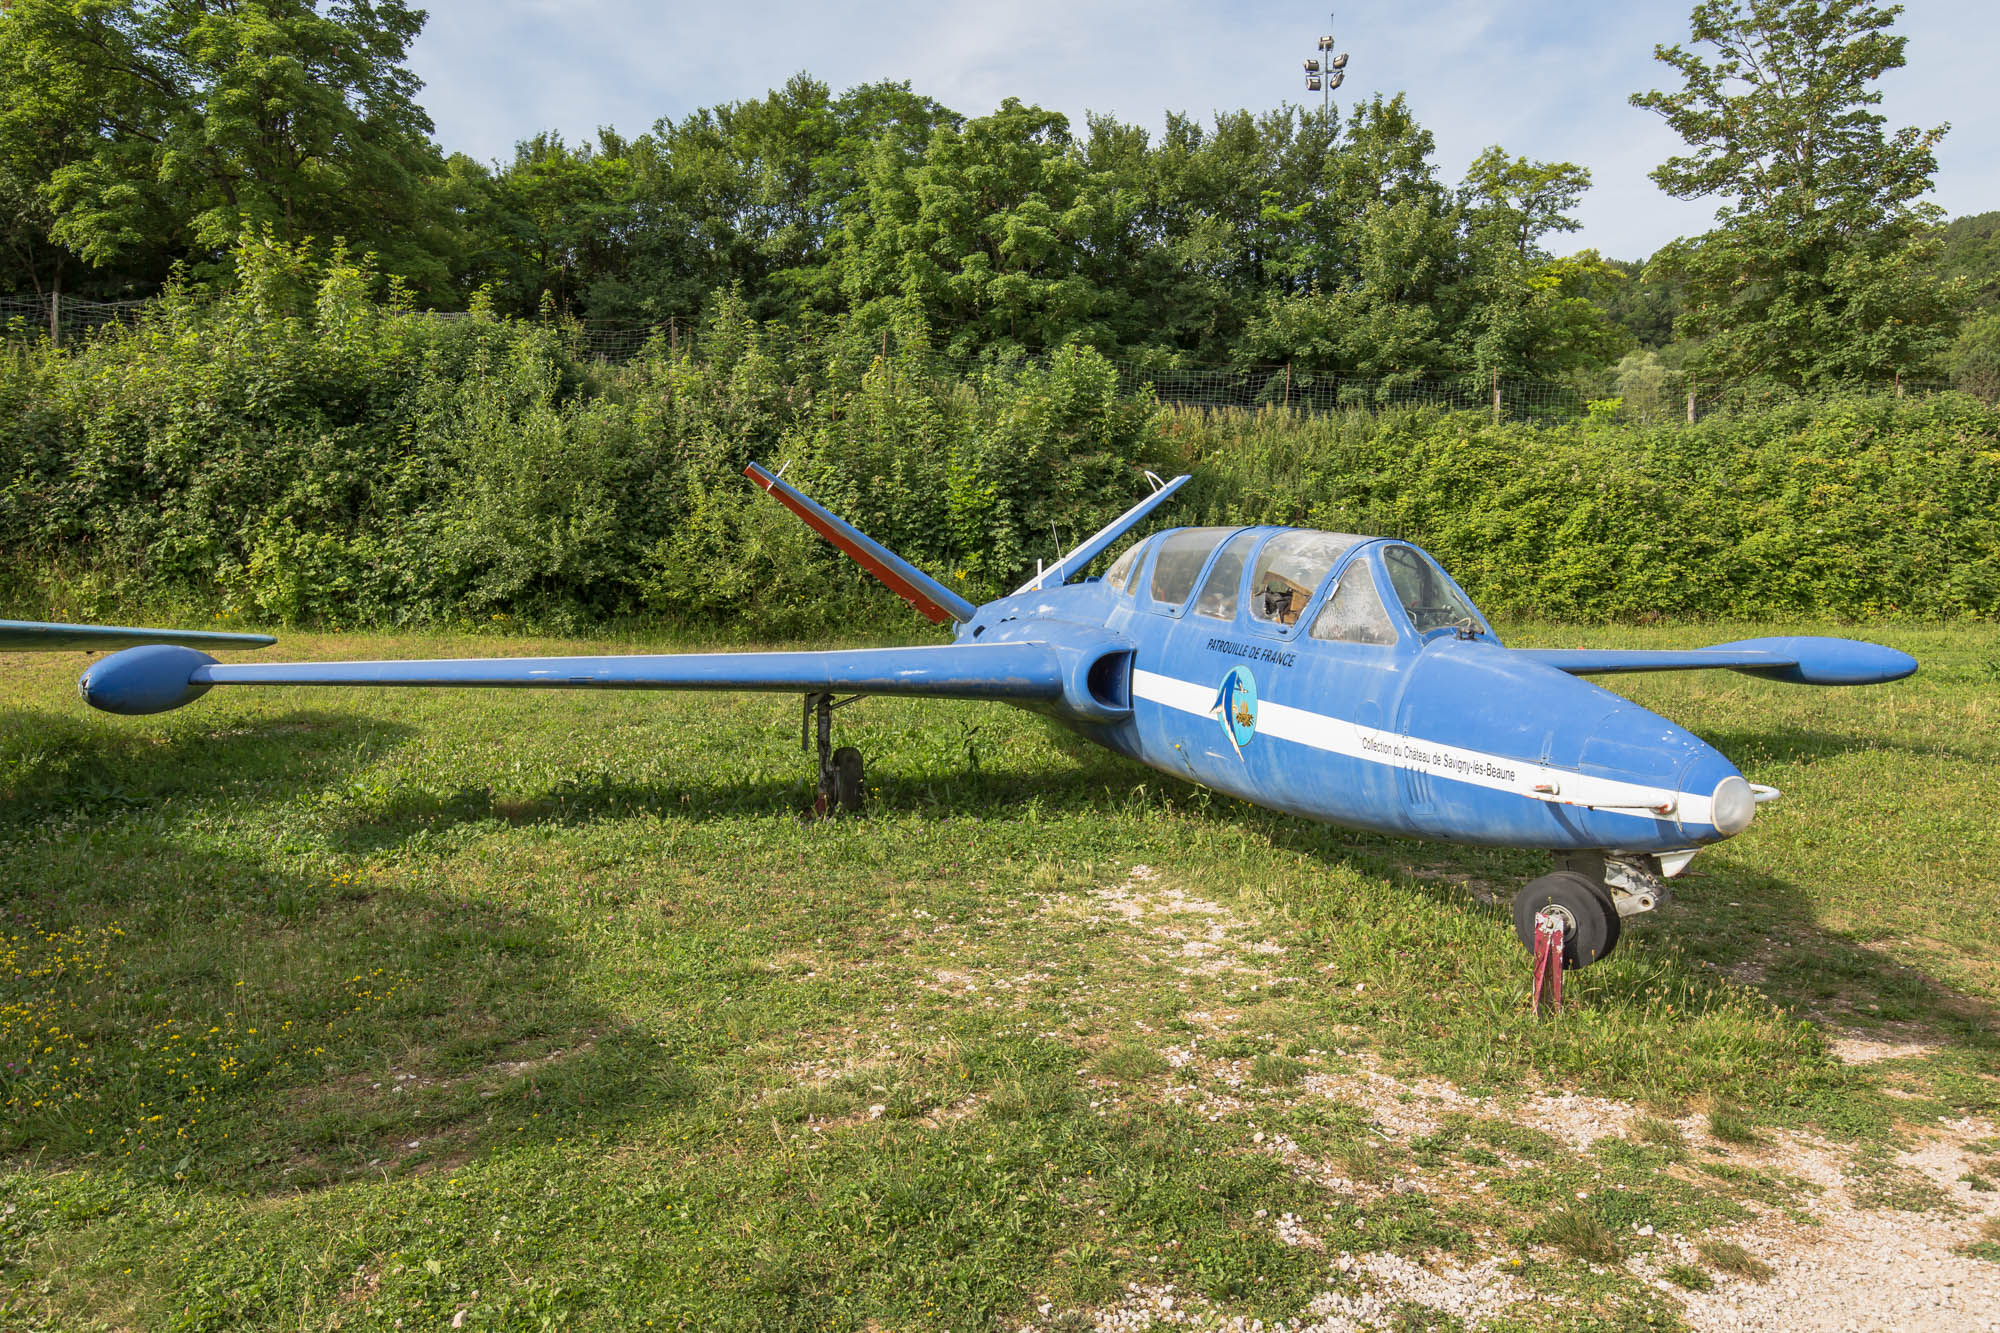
(847, 779)
(1593, 930)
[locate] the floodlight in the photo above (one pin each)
(1312, 66)
(1338, 62)
(1335, 79)
(1312, 83)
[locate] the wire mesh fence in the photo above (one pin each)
(63, 318)
(1651, 393)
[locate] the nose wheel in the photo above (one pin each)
(1579, 906)
(841, 776)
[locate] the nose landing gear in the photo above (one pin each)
(1575, 915)
(1582, 907)
(840, 784)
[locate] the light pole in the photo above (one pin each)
(1324, 81)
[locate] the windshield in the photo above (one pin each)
(1290, 569)
(1218, 590)
(1121, 572)
(1427, 595)
(1182, 554)
(1355, 614)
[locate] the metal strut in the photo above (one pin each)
(839, 786)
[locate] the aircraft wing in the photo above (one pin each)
(1798, 660)
(154, 679)
(29, 636)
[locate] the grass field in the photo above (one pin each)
(373, 1010)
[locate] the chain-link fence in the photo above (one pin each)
(1648, 392)
(62, 318)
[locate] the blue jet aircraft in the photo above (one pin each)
(1340, 677)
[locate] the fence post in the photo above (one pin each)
(1496, 395)
(55, 317)
(673, 335)
(1899, 384)
(1690, 402)
(1288, 384)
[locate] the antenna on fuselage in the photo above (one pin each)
(1104, 536)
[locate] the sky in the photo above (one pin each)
(1546, 80)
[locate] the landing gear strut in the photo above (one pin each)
(1572, 918)
(840, 774)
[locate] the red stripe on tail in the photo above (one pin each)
(895, 582)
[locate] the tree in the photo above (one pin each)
(1644, 302)
(999, 236)
(189, 122)
(1524, 201)
(1819, 271)
(1972, 253)
(1975, 357)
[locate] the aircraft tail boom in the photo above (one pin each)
(935, 601)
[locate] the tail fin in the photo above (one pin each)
(919, 589)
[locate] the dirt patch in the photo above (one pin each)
(1857, 1268)
(1369, 1293)
(1860, 1049)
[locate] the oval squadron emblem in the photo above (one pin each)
(1236, 707)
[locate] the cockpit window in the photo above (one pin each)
(1120, 572)
(1218, 590)
(1289, 570)
(1182, 554)
(1427, 596)
(1355, 614)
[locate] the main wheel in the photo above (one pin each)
(1590, 918)
(847, 778)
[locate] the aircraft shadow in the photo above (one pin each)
(53, 764)
(208, 934)
(1752, 745)
(1772, 940)
(477, 1006)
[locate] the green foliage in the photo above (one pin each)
(1729, 1257)
(1853, 507)
(1975, 357)
(308, 450)
(1970, 253)
(153, 131)
(1820, 271)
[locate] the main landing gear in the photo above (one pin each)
(840, 773)
(1573, 917)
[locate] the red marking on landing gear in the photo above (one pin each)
(1548, 960)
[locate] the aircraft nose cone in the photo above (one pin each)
(1732, 805)
(1674, 776)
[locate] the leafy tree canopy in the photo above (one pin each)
(1819, 269)
(154, 130)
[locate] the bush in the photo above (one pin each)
(305, 449)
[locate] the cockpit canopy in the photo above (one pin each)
(1286, 571)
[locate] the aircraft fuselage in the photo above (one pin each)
(1440, 734)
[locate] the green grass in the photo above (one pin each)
(1726, 1256)
(1581, 1235)
(1688, 1277)
(329, 1009)
(1661, 1133)
(1728, 1124)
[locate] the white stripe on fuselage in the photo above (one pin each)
(1372, 745)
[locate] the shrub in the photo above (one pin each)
(305, 449)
